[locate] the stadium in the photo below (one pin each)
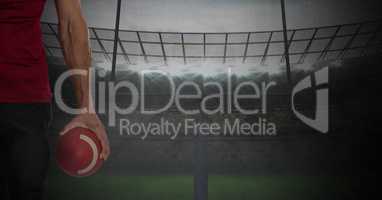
(289, 159)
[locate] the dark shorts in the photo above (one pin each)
(24, 150)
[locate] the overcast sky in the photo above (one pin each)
(221, 15)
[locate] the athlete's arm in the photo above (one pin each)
(74, 39)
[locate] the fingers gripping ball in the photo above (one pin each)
(78, 152)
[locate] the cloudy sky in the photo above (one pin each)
(221, 15)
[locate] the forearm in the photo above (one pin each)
(77, 54)
(75, 42)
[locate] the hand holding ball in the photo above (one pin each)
(78, 152)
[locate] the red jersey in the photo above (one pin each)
(23, 66)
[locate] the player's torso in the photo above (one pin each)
(20, 35)
(23, 67)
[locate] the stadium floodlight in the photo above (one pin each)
(263, 48)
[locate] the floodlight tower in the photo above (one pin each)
(286, 43)
(116, 38)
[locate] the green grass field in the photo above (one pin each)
(100, 186)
